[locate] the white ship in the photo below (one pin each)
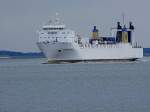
(59, 43)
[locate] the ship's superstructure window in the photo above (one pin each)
(53, 28)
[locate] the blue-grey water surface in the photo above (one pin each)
(27, 85)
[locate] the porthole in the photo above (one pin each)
(59, 50)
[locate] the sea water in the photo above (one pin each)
(27, 85)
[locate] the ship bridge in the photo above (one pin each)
(55, 31)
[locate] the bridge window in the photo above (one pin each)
(53, 28)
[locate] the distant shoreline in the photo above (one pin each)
(146, 52)
(14, 54)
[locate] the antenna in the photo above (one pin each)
(50, 21)
(56, 18)
(56, 15)
(123, 18)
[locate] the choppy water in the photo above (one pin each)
(26, 85)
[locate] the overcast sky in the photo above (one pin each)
(20, 19)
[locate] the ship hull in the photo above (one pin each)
(68, 52)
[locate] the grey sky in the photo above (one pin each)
(19, 19)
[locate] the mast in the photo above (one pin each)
(123, 18)
(56, 18)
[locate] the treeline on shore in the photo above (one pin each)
(14, 54)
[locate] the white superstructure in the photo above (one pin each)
(59, 43)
